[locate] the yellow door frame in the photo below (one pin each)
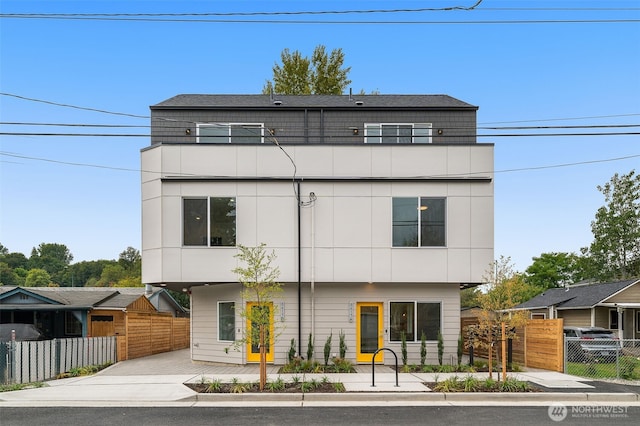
(367, 357)
(255, 356)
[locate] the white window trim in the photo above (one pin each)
(228, 126)
(235, 322)
(429, 137)
(415, 306)
(538, 315)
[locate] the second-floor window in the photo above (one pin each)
(249, 133)
(209, 221)
(419, 222)
(395, 133)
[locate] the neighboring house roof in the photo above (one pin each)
(82, 297)
(311, 101)
(575, 297)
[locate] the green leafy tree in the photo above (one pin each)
(131, 261)
(15, 260)
(615, 250)
(551, 270)
(323, 74)
(110, 276)
(37, 278)
(469, 297)
(53, 258)
(505, 289)
(259, 280)
(8, 276)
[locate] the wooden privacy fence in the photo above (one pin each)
(152, 333)
(540, 344)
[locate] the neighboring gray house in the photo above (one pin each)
(614, 305)
(378, 207)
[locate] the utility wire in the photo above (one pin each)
(140, 135)
(335, 127)
(333, 22)
(24, 98)
(522, 169)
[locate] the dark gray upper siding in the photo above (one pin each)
(314, 118)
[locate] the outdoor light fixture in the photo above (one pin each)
(354, 130)
(187, 132)
(422, 208)
(440, 131)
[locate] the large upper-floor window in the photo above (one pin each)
(419, 222)
(250, 133)
(394, 133)
(413, 319)
(209, 221)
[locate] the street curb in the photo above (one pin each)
(492, 397)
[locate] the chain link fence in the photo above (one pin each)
(32, 361)
(602, 358)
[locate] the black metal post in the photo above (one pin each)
(373, 366)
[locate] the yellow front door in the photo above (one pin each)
(253, 341)
(369, 331)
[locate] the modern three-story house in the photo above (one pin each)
(379, 209)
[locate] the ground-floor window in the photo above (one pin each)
(413, 319)
(226, 321)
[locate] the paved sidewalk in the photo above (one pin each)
(158, 380)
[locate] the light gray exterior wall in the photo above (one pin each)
(334, 312)
(351, 221)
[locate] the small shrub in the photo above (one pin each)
(214, 386)
(471, 384)
(237, 386)
(440, 348)
(627, 366)
(295, 380)
(452, 384)
(403, 347)
(427, 369)
(446, 368)
(324, 380)
(343, 345)
(307, 386)
(292, 351)
(339, 387)
(460, 348)
(512, 385)
(277, 385)
(327, 349)
(310, 347)
(342, 365)
(423, 349)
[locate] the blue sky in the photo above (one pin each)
(525, 63)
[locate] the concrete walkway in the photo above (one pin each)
(158, 380)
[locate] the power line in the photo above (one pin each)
(279, 13)
(139, 135)
(73, 106)
(335, 127)
(334, 22)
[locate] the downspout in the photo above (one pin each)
(299, 272)
(313, 272)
